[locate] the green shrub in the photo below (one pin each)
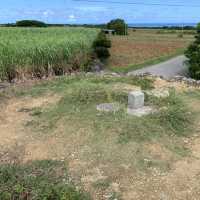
(101, 45)
(193, 54)
(102, 41)
(41, 180)
(102, 52)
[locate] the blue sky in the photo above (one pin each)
(68, 11)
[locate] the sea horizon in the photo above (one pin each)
(160, 24)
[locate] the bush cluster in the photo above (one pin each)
(119, 26)
(101, 46)
(193, 54)
(30, 23)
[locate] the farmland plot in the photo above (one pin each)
(145, 47)
(39, 52)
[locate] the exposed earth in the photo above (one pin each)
(18, 142)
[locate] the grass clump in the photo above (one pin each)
(174, 114)
(38, 180)
(171, 119)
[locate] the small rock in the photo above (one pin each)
(115, 74)
(108, 107)
(89, 74)
(146, 110)
(178, 78)
(97, 66)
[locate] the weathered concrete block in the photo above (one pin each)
(135, 100)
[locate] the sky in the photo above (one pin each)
(71, 11)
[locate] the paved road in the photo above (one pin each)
(167, 69)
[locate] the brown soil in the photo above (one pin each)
(143, 45)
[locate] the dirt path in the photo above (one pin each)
(167, 69)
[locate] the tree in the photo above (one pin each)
(193, 54)
(119, 26)
(30, 23)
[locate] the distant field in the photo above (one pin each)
(143, 47)
(37, 52)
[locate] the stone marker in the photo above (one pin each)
(135, 100)
(108, 107)
(136, 104)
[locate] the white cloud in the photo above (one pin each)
(47, 13)
(91, 8)
(72, 18)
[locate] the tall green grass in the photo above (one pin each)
(38, 52)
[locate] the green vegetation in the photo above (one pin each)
(193, 53)
(119, 26)
(40, 180)
(101, 45)
(78, 104)
(29, 52)
(30, 23)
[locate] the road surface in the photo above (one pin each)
(168, 69)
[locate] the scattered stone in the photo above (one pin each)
(115, 74)
(108, 107)
(135, 100)
(188, 81)
(178, 78)
(108, 74)
(139, 112)
(89, 74)
(97, 66)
